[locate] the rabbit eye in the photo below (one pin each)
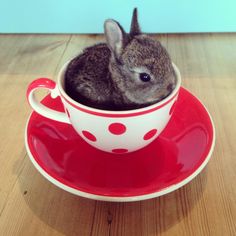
(144, 77)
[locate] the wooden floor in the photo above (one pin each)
(30, 205)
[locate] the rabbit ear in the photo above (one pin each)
(115, 36)
(135, 29)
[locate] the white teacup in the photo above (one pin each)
(110, 131)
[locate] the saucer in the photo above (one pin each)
(172, 160)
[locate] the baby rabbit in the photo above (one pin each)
(129, 72)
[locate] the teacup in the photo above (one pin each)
(111, 131)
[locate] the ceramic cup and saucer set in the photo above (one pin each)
(118, 155)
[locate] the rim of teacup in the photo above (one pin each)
(113, 113)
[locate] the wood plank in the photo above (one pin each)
(39, 208)
(17, 69)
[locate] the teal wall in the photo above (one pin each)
(75, 16)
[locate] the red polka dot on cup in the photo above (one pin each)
(150, 134)
(117, 128)
(89, 136)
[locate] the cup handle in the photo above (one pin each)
(39, 107)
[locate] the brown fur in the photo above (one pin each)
(106, 76)
(88, 79)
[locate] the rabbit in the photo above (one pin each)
(131, 71)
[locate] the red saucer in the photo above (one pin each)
(172, 160)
